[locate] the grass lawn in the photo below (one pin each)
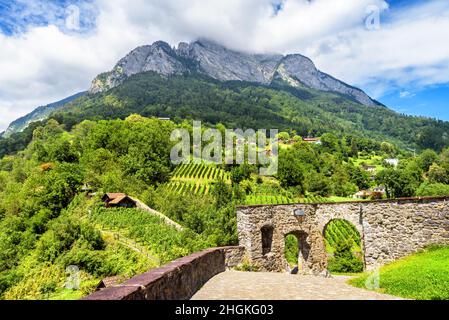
(423, 276)
(372, 160)
(339, 199)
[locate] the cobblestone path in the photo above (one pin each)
(234, 285)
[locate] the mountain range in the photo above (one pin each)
(216, 61)
(203, 80)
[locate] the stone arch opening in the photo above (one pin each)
(344, 247)
(296, 252)
(267, 238)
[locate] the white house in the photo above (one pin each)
(393, 162)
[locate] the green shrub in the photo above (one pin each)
(291, 250)
(246, 266)
(432, 189)
(344, 260)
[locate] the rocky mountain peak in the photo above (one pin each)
(224, 64)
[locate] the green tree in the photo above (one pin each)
(427, 158)
(329, 142)
(319, 184)
(400, 182)
(354, 151)
(432, 190)
(388, 148)
(359, 177)
(240, 173)
(437, 174)
(290, 169)
(283, 136)
(344, 260)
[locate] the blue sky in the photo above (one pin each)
(428, 100)
(404, 63)
(17, 16)
(412, 99)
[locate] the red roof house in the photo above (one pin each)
(118, 200)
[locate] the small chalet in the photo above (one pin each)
(374, 194)
(380, 189)
(312, 140)
(118, 200)
(362, 194)
(109, 282)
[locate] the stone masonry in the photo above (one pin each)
(178, 280)
(390, 229)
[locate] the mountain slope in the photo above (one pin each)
(239, 104)
(206, 81)
(216, 61)
(38, 114)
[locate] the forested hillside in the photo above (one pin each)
(239, 104)
(48, 222)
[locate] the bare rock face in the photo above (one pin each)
(223, 64)
(214, 60)
(159, 57)
(297, 69)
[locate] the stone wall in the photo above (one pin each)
(395, 229)
(178, 280)
(390, 229)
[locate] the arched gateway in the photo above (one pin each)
(389, 229)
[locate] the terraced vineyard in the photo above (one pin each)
(314, 199)
(260, 199)
(341, 230)
(187, 187)
(199, 172)
(267, 199)
(195, 178)
(162, 240)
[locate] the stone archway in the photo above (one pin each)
(389, 229)
(303, 254)
(267, 238)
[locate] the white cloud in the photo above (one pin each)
(45, 64)
(406, 94)
(409, 50)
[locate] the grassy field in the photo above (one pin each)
(339, 199)
(369, 160)
(423, 276)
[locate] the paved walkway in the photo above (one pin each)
(234, 285)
